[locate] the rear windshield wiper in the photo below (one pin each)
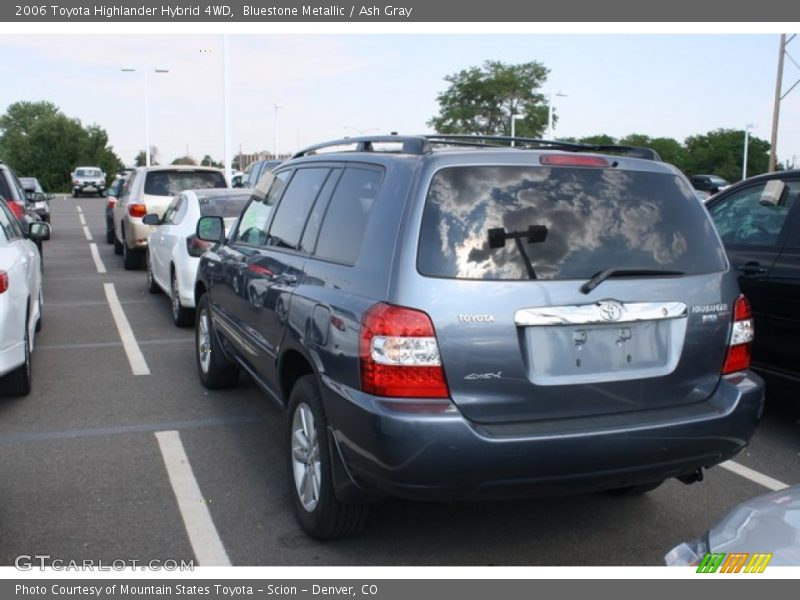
(601, 276)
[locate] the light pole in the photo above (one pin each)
(146, 107)
(550, 112)
(514, 119)
(747, 129)
(779, 96)
(227, 110)
(277, 108)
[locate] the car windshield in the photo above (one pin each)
(507, 223)
(89, 173)
(31, 183)
(227, 206)
(170, 183)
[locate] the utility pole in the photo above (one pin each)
(777, 108)
(778, 97)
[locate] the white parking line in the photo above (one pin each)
(87, 233)
(80, 210)
(135, 356)
(203, 536)
(759, 478)
(82, 218)
(98, 262)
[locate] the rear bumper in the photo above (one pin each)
(448, 457)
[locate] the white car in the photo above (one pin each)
(20, 299)
(173, 250)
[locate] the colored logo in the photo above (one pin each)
(735, 562)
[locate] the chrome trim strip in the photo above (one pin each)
(591, 314)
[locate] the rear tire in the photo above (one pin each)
(152, 286)
(635, 490)
(216, 371)
(110, 236)
(181, 316)
(117, 246)
(18, 381)
(130, 260)
(320, 513)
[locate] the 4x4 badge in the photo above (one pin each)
(610, 310)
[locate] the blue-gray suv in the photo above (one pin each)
(448, 317)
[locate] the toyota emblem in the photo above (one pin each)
(610, 310)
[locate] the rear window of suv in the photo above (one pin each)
(570, 223)
(171, 183)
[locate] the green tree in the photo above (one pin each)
(670, 150)
(184, 160)
(721, 152)
(141, 158)
(210, 162)
(601, 139)
(38, 140)
(483, 100)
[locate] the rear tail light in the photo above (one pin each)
(738, 358)
(137, 210)
(400, 356)
(16, 208)
(196, 247)
(570, 160)
(3, 281)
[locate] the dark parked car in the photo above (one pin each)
(113, 193)
(39, 201)
(759, 222)
(710, 184)
(12, 191)
(442, 319)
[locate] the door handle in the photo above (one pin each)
(752, 268)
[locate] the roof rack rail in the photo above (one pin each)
(422, 144)
(414, 144)
(522, 142)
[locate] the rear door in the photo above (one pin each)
(754, 232)
(503, 254)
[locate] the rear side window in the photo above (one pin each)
(743, 218)
(570, 223)
(227, 207)
(171, 183)
(345, 221)
(287, 226)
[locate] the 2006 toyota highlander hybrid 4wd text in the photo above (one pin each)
(446, 317)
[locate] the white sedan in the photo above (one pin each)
(173, 250)
(20, 299)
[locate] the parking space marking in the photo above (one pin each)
(759, 478)
(80, 210)
(135, 356)
(87, 233)
(203, 535)
(10, 439)
(98, 262)
(82, 218)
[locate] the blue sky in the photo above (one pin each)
(335, 84)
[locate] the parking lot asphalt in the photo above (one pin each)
(83, 474)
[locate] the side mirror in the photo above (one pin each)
(39, 231)
(211, 229)
(39, 197)
(151, 219)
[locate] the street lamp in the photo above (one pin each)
(747, 129)
(146, 107)
(550, 112)
(514, 119)
(277, 108)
